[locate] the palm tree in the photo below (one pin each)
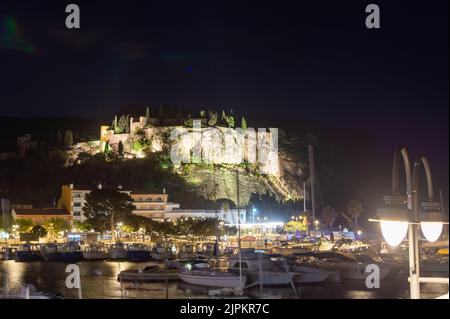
(329, 215)
(355, 209)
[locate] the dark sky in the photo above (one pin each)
(303, 59)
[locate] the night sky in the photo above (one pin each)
(300, 59)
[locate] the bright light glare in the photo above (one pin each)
(394, 231)
(431, 230)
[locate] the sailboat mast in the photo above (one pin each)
(239, 227)
(312, 178)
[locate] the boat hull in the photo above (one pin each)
(271, 278)
(71, 257)
(97, 255)
(213, 280)
(27, 256)
(51, 257)
(118, 253)
(162, 256)
(305, 274)
(138, 255)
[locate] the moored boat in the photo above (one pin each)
(27, 252)
(138, 253)
(162, 252)
(307, 274)
(262, 268)
(148, 274)
(50, 252)
(95, 252)
(350, 268)
(117, 252)
(213, 278)
(7, 253)
(70, 253)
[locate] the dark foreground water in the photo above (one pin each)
(99, 280)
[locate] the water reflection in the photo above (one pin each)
(99, 280)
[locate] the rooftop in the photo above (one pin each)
(41, 211)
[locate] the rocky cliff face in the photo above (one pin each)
(214, 174)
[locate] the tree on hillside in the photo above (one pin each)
(161, 116)
(212, 118)
(147, 116)
(355, 210)
(127, 125)
(122, 125)
(120, 148)
(58, 138)
(68, 138)
(243, 124)
(108, 205)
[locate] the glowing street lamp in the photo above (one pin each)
(431, 220)
(394, 219)
(401, 215)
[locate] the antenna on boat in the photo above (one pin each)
(239, 228)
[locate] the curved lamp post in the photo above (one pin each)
(397, 219)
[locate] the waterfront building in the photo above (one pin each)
(40, 215)
(73, 199)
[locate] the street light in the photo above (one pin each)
(394, 219)
(401, 214)
(432, 220)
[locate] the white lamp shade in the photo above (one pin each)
(394, 231)
(431, 230)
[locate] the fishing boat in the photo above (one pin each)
(27, 252)
(50, 252)
(8, 253)
(117, 252)
(138, 253)
(95, 252)
(70, 253)
(261, 267)
(213, 278)
(162, 252)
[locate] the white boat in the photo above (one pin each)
(348, 267)
(95, 253)
(290, 250)
(213, 278)
(162, 252)
(262, 268)
(307, 274)
(118, 252)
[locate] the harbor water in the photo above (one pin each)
(99, 281)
